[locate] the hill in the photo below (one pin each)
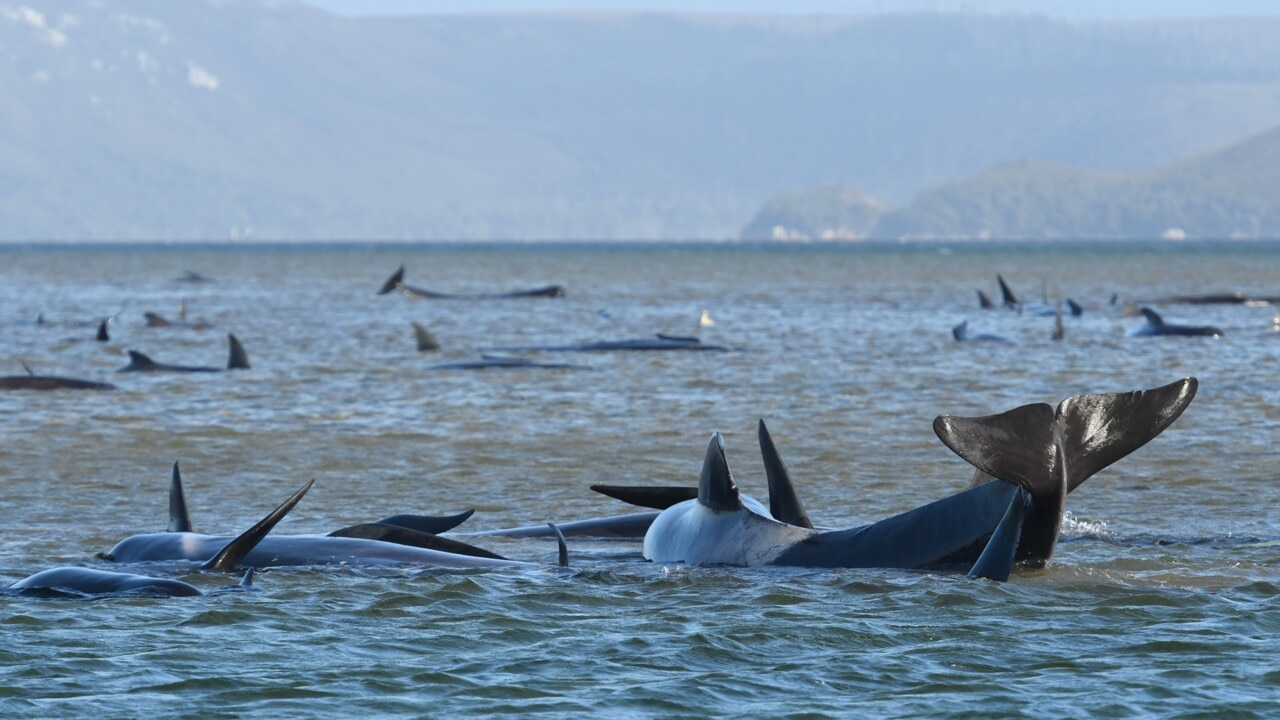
(267, 118)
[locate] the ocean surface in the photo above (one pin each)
(1161, 599)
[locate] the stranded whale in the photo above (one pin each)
(31, 381)
(396, 281)
(1157, 326)
(369, 544)
(75, 581)
(237, 360)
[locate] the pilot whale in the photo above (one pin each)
(238, 359)
(79, 581)
(362, 545)
(657, 342)
(1096, 430)
(32, 381)
(720, 528)
(1157, 326)
(396, 281)
(90, 582)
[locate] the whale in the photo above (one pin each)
(238, 359)
(403, 529)
(719, 527)
(359, 546)
(658, 342)
(1157, 326)
(487, 362)
(961, 334)
(396, 282)
(32, 381)
(93, 582)
(1098, 430)
(1010, 301)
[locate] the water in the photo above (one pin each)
(1159, 601)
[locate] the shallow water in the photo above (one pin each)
(1159, 600)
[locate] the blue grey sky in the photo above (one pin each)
(1077, 9)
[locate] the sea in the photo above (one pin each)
(1160, 600)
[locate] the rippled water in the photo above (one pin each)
(1160, 599)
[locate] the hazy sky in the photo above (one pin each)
(1082, 9)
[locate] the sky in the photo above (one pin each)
(1076, 9)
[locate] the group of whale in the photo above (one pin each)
(1155, 323)
(1027, 460)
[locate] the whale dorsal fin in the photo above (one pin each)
(102, 335)
(138, 361)
(1152, 317)
(784, 504)
(716, 489)
(1100, 429)
(179, 520)
(239, 359)
(1016, 446)
(961, 331)
(392, 282)
(984, 302)
(1075, 308)
(247, 580)
(231, 555)
(426, 341)
(154, 320)
(658, 498)
(1007, 297)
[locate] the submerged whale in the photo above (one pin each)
(961, 334)
(31, 381)
(1157, 326)
(487, 362)
(238, 359)
(657, 342)
(396, 282)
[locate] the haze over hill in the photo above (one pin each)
(268, 118)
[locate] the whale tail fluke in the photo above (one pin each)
(238, 359)
(1016, 446)
(1100, 429)
(179, 520)
(716, 489)
(230, 555)
(784, 504)
(392, 282)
